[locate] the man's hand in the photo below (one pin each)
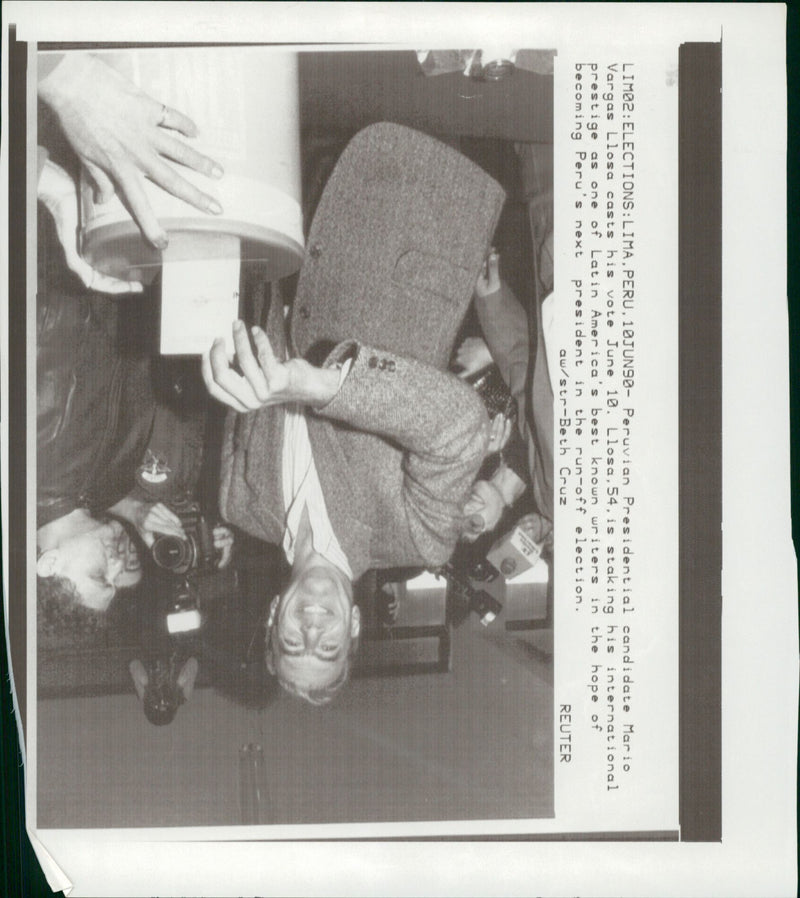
(488, 501)
(58, 192)
(223, 543)
(483, 510)
(149, 518)
(122, 135)
(473, 356)
(499, 434)
(264, 380)
(156, 519)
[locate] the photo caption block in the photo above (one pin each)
(616, 440)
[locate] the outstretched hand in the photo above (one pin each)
(122, 135)
(59, 193)
(264, 379)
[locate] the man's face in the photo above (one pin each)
(98, 560)
(315, 621)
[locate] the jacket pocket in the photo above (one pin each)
(426, 273)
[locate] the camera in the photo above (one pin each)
(195, 552)
(180, 562)
(183, 608)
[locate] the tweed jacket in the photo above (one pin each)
(394, 251)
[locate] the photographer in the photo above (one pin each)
(95, 410)
(164, 499)
(504, 323)
(168, 511)
(95, 398)
(113, 441)
(503, 477)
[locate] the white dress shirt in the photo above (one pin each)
(302, 489)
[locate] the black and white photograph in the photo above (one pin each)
(379, 486)
(294, 506)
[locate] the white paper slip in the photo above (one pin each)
(199, 296)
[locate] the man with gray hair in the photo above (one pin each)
(353, 448)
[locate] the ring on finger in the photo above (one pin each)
(164, 113)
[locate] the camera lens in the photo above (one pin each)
(173, 554)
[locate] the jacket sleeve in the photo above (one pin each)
(505, 327)
(438, 421)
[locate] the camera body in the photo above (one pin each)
(195, 553)
(180, 565)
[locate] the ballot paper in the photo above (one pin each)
(199, 294)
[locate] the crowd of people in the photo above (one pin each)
(354, 438)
